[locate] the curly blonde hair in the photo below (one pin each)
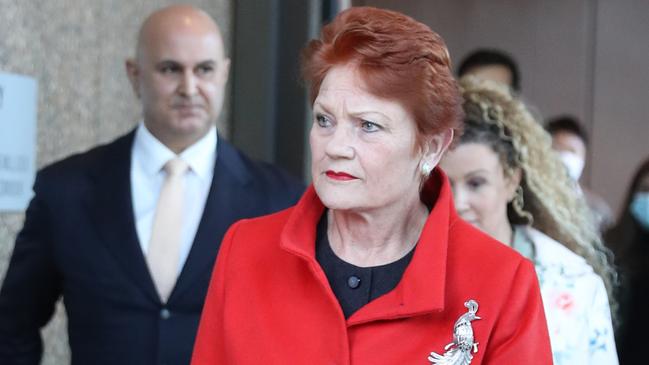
(549, 193)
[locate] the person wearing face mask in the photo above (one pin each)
(571, 142)
(629, 240)
(507, 182)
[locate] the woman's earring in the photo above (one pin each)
(426, 169)
(518, 203)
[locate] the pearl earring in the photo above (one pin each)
(426, 169)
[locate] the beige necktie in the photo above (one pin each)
(163, 252)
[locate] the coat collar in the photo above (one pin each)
(111, 208)
(422, 287)
(151, 155)
(227, 199)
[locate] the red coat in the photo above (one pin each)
(269, 301)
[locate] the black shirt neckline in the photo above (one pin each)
(356, 286)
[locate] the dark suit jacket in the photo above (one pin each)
(79, 241)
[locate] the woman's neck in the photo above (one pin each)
(505, 234)
(377, 237)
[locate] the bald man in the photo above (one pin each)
(127, 233)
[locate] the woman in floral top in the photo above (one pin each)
(507, 181)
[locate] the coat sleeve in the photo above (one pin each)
(30, 288)
(521, 333)
(210, 345)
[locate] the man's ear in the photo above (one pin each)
(133, 73)
(224, 71)
(435, 146)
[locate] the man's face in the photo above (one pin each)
(180, 77)
(564, 141)
(497, 73)
(572, 152)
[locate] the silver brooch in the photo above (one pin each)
(461, 350)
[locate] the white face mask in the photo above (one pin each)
(573, 163)
(640, 208)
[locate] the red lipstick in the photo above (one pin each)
(342, 176)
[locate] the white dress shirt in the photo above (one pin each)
(148, 158)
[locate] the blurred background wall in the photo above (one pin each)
(587, 58)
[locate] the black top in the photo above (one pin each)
(356, 286)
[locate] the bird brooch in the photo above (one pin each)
(461, 350)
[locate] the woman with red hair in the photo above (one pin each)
(373, 265)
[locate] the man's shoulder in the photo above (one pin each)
(94, 158)
(265, 176)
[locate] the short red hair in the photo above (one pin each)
(399, 59)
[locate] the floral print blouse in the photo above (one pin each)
(574, 298)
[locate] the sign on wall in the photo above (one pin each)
(17, 140)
